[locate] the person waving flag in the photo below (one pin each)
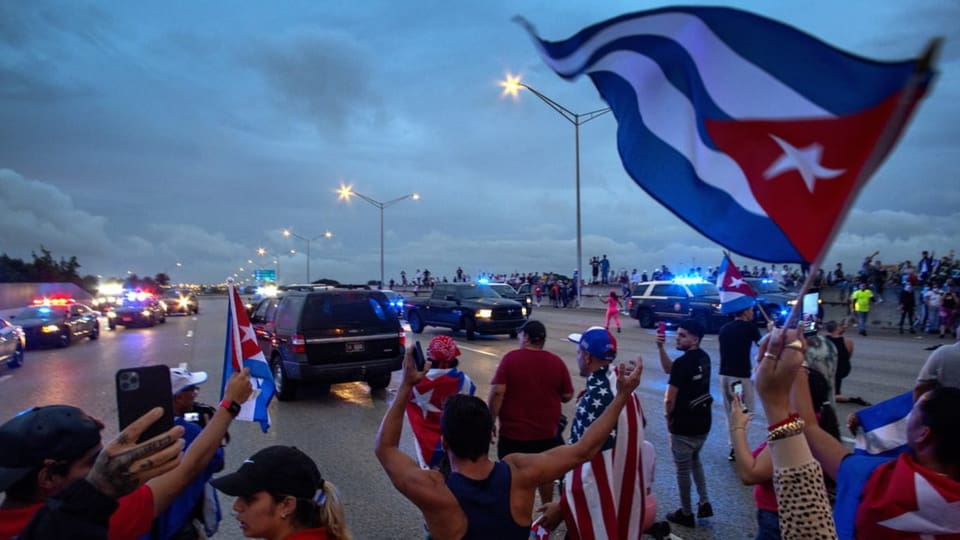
(756, 134)
(242, 350)
(736, 294)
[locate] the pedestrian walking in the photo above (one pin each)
(613, 310)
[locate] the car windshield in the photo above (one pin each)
(703, 289)
(174, 294)
(763, 286)
(481, 291)
(352, 310)
(505, 291)
(41, 312)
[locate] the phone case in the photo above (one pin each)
(418, 357)
(140, 389)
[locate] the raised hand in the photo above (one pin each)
(411, 375)
(628, 382)
(780, 358)
(123, 465)
(239, 388)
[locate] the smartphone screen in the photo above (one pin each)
(140, 389)
(737, 388)
(418, 357)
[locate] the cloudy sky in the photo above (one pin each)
(140, 135)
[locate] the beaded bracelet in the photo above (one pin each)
(794, 427)
(788, 419)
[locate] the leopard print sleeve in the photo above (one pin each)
(804, 508)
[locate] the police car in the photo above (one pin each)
(139, 308)
(673, 301)
(57, 322)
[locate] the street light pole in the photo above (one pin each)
(345, 192)
(512, 86)
(327, 234)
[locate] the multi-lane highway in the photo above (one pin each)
(337, 429)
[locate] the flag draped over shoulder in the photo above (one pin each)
(756, 134)
(606, 497)
(736, 294)
(243, 351)
(425, 407)
(883, 426)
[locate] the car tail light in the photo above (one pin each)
(403, 338)
(298, 344)
(630, 303)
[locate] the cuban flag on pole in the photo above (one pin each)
(736, 294)
(756, 134)
(242, 351)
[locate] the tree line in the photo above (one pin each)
(44, 269)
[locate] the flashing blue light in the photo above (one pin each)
(44, 310)
(784, 312)
(483, 280)
(766, 280)
(688, 280)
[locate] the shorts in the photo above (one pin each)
(506, 446)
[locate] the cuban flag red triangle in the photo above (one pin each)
(736, 294)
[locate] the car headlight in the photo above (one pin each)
(791, 302)
(111, 314)
(523, 311)
(484, 313)
(716, 307)
(50, 328)
(145, 313)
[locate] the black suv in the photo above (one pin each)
(329, 335)
(672, 301)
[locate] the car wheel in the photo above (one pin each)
(64, 339)
(379, 382)
(17, 359)
(286, 389)
(95, 333)
(416, 323)
(645, 316)
(470, 326)
(112, 325)
(163, 318)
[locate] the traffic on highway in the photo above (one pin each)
(336, 422)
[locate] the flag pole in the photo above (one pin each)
(887, 138)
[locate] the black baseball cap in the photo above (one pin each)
(57, 432)
(535, 330)
(280, 470)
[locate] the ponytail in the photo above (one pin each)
(324, 510)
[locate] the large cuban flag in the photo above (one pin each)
(243, 351)
(756, 134)
(736, 294)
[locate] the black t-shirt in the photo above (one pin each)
(736, 338)
(691, 375)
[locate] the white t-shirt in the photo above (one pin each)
(942, 367)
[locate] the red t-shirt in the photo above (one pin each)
(534, 380)
(309, 534)
(763, 494)
(132, 519)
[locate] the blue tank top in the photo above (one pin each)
(486, 504)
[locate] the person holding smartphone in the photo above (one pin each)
(737, 339)
(36, 464)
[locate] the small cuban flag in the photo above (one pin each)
(736, 294)
(243, 351)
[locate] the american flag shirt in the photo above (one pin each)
(594, 400)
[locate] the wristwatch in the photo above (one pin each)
(231, 406)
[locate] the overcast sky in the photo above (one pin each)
(138, 135)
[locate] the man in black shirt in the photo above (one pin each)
(737, 338)
(687, 408)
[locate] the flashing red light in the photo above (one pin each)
(54, 301)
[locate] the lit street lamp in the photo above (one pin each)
(327, 234)
(345, 192)
(512, 86)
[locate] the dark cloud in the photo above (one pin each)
(324, 76)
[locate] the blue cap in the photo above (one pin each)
(598, 341)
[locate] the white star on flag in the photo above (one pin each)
(602, 391)
(934, 515)
(735, 282)
(423, 401)
(248, 334)
(596, 404)
(806, 161)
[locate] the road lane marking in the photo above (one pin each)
(478, 351)
(5, 377)
(189, 333)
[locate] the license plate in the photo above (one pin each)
(127, 319)
(355, 347)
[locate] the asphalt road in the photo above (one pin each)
(337, 429)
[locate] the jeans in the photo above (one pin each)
(686, 456)
(862, 321)
(768, 525)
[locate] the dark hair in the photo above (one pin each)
(693, 327)
(939, 411)
(820, 395)
(466, 425)
(831, 326)
(26, 490)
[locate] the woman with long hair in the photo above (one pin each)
(613, 310)
(282, 496)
